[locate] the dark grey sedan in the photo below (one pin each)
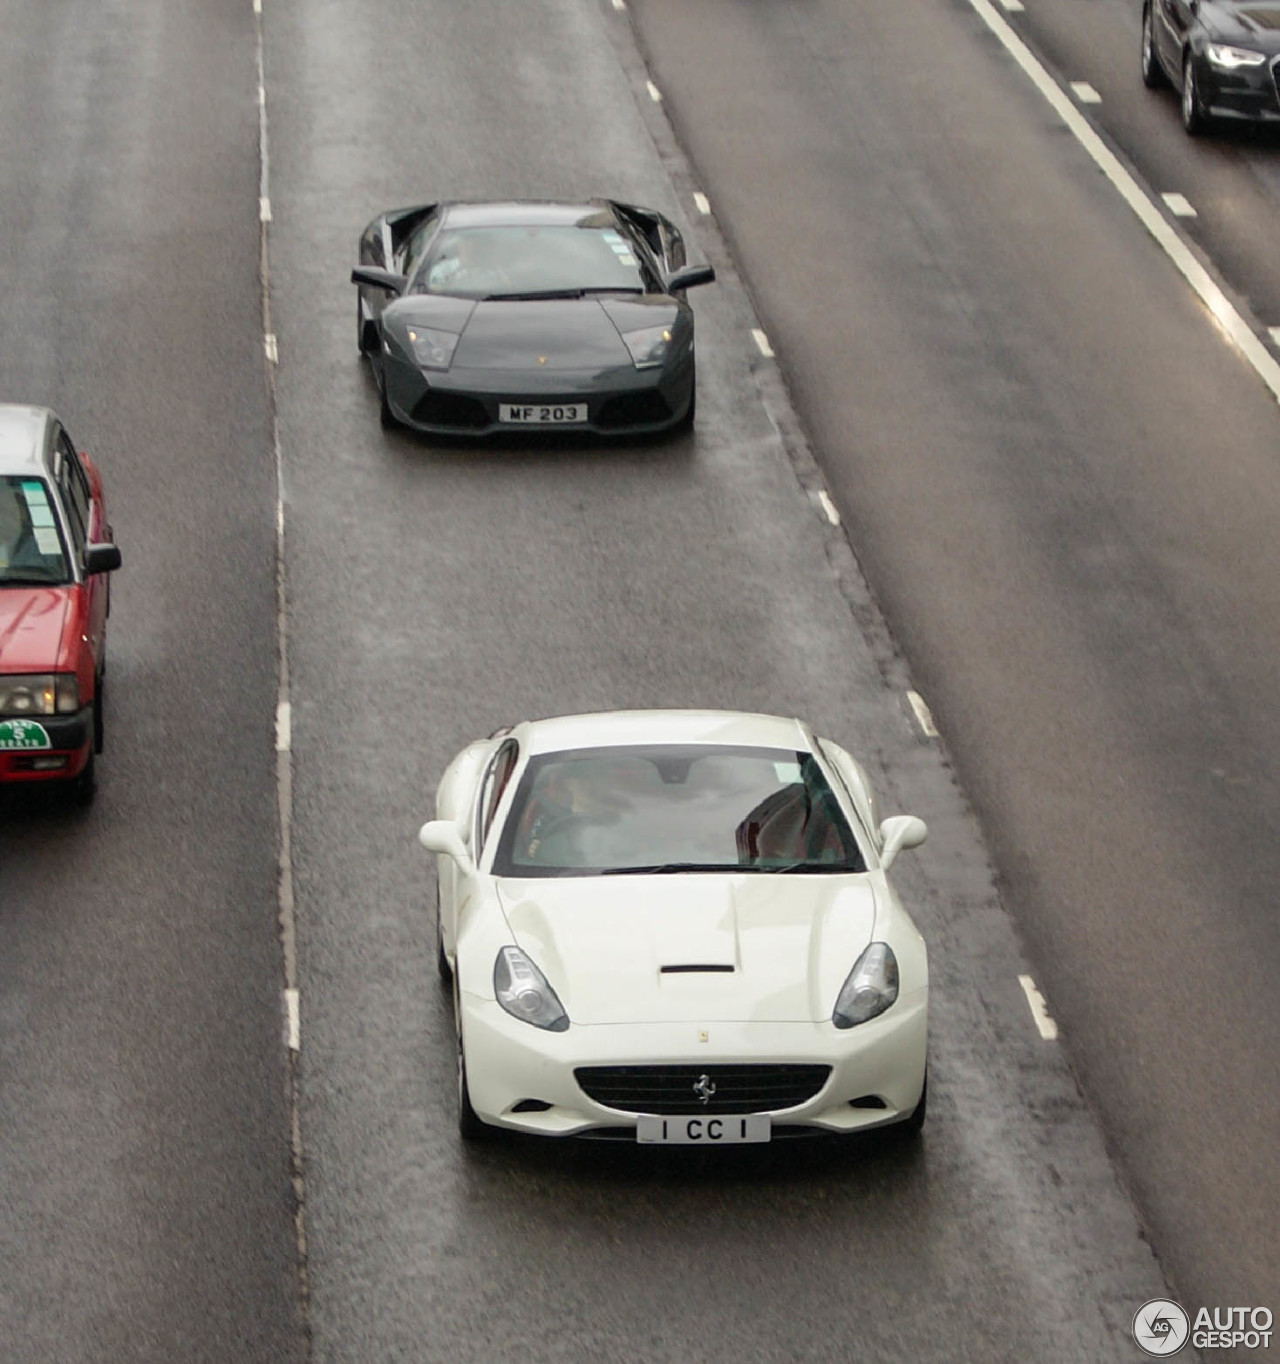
(1223, 56)
(479, 318)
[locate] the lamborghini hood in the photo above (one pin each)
(693, 948)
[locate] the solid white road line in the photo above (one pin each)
(924, 716)
(701, 202)
(1228, 317)
(762, 341)
(269, 345)
(1085, 92)
(1047, 1027)
(1178, 205)
(829, 507)
(654, 93)
(264, 210)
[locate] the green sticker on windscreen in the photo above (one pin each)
(37, 503)
(23, 734)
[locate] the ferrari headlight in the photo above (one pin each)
(871, 987)
(1230, 57)
(39, 694)
(523, 992)
(432, 348)
(649, 347)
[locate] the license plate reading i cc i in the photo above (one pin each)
(704, 1131)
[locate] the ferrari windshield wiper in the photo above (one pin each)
(612, 289)
(662, 868)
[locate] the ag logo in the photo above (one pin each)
(1161, 1327)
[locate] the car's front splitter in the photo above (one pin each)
(620, 401)
(510, 1063)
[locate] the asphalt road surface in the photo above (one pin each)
(433, 593)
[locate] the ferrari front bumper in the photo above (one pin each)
(876, 1076)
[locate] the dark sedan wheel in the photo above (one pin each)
(85, 786)
(1153, 76)
(1193, 116)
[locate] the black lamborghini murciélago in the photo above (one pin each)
(487, 317)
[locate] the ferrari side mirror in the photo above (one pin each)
(899, 832)
(443, 836)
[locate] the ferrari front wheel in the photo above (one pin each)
(470, 1128)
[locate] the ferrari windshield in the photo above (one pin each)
(674, 808)
(519, 261)
(31, 548)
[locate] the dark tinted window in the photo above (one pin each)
(674, 807)
(476, 262)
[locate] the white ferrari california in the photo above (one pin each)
(676, 927)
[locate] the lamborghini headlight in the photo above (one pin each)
(1220, 54)
(523, 992)
(871, 987)
(432, 348)
(649, 347)
(39, 694)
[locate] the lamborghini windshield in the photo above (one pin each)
(513, 261)
(660, 809)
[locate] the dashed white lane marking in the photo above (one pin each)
(1085, 92)
(1179, 206)
(1274, 333)
(284, 727)
(262, 98)
(1013, 6)
(829, 507)
(1047, 1027)
(293, 1020)
(1228, 317)
(264, 210)
(762, 341)
(269, 345)
(701, 202)
(619, 4)
(654, 93)
(924, 716)
(257, 6)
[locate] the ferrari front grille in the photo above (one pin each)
(702, 1089)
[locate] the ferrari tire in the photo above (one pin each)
(1153, 76)
(1193, 115)
(470, 1128)
(442, 962)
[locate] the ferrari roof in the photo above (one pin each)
(22, 438)
(525, 213)
(624, 727)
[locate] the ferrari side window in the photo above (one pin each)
(495, 783)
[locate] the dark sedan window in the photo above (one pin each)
(31, 547)
(674, 808)
(478, 262)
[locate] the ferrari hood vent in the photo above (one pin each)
(692, 968)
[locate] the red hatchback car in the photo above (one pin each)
(56, 550)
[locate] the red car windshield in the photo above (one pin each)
(31, 545)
